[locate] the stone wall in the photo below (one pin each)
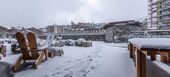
(109, 34)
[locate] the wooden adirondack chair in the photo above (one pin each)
(28, 54)
(33, 46)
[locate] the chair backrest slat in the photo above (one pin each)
(23, 45)
(33, 45)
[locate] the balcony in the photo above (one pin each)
(153, 8)
(166, 2)
(165, 20)
(165, 13)
(165, 7)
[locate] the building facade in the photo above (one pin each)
(88, 34)
(119, 31)
(88, 31)
(159, 14)
(57, 28)
(164, 14)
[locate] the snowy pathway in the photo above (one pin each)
(115, 63)
(101, 60)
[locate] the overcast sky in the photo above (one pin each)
(39, 13)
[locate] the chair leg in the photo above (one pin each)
(39, 60)
(46, 53)
(17, 64)
(35, 66)
(62, 52)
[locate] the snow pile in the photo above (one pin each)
(87, 44)
(79, 41)
(69, 42)
(58, 43)
(56, 49)
(41, 43)
(83, 43)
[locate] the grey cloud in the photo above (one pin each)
(38, 13)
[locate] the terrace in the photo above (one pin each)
(102, 59)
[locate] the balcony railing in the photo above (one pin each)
(166, 2)
(165, 13)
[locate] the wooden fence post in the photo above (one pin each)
(140, 64)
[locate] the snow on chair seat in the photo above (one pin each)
(54, 51)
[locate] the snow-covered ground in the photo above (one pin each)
(100, 60)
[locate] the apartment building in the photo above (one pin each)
(159, 14)
(57, 28)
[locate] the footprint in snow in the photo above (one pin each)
(78, 68)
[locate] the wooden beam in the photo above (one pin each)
(141, 64)
(152, 54)
(165, 57)
(131, 50)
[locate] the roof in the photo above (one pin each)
(35, 30)
(3, 28)
(128, 22)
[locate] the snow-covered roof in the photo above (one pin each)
(128, 22)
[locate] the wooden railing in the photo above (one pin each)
(139, 54)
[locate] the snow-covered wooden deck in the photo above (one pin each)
(100, 60)
(141, 48)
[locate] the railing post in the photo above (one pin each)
(140, 63)
(130, 50)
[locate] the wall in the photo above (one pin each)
(109, 34)
(86, 37)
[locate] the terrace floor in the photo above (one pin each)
(100, 60)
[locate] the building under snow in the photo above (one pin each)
(120, 30)
(57, 28)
